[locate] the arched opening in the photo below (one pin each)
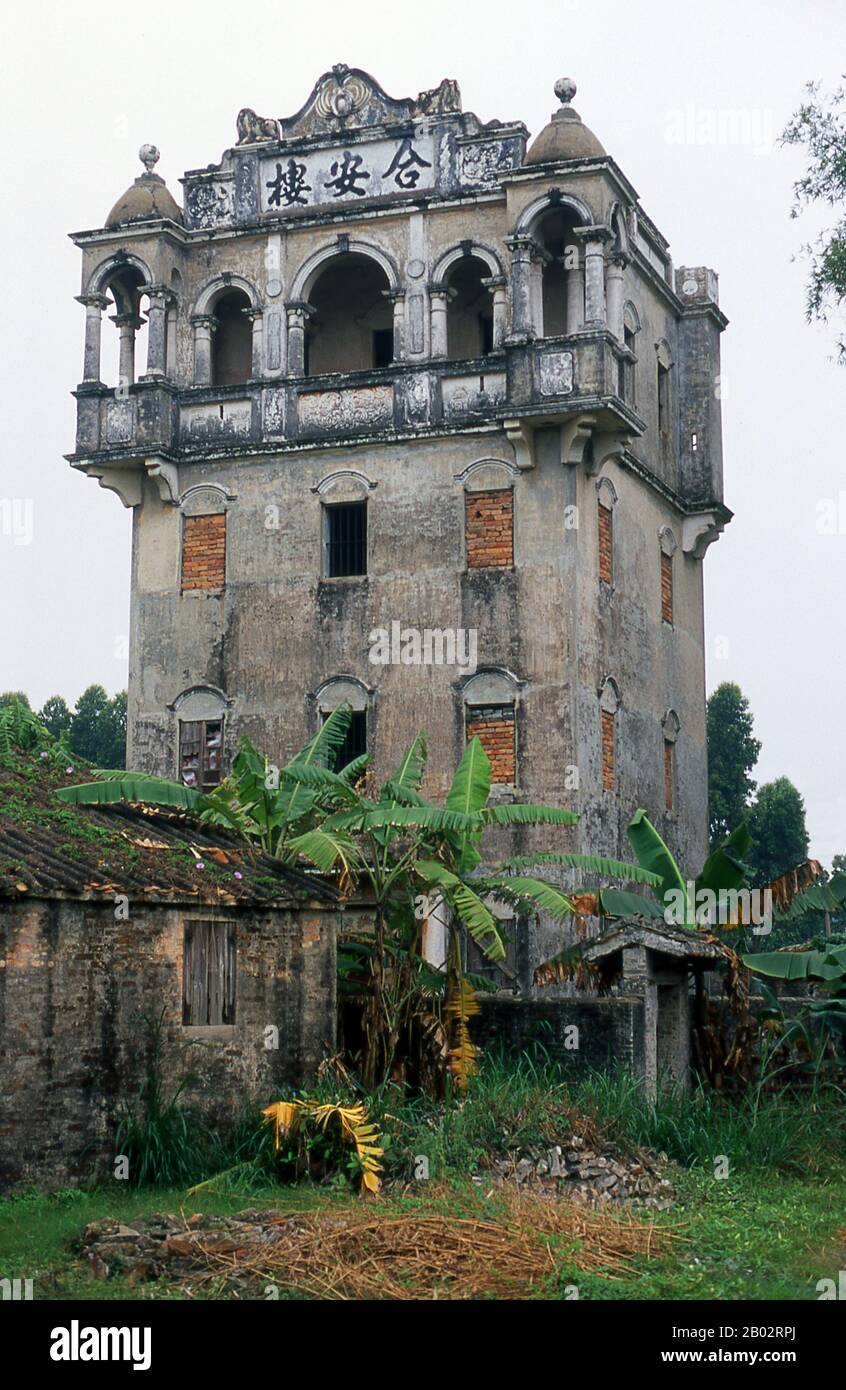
(351, 328)
(470, 310)
(232, 340)
(561, 290)
(124, 290)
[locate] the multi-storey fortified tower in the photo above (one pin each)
(403, 375)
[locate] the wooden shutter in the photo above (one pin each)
(208, 993)
(606, 554)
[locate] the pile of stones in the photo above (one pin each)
(169, 1245)
(587, 1177)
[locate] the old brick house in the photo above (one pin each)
(402, 369)
(111, 920)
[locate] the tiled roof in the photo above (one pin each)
(50, 849)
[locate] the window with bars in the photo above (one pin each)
(666, 587)
(355, 740)
(605, 518)
(208, 974)
(200, 752)
(345, 539)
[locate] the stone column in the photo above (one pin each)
(496, 284)
(397, 299)
(298, 313)
(522, 251)
(156, 319)
(257, 358)
(204, 326)
(438, 301)
(170, 341)
(127, 326)
(614, 290)
(574, 290)
(593, 240)
(94, 306)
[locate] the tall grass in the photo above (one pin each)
(527, 1102)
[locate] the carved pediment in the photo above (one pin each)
(348, 98)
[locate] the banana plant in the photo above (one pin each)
(404, 846)
(263, 805)
(681, 902)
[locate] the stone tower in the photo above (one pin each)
(429, 423)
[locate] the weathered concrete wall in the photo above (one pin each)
(74, 990)
(278, 630)
(610, 1030)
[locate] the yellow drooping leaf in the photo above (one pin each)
(284, 1116)
(356, 1129)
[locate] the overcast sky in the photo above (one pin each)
(84, 84)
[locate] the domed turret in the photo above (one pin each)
(148, 199)
(565, 137)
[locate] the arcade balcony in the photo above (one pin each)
(533, 383)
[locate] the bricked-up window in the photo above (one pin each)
(204, 552)
(606, 544)
(200, 752)
(666, 587)
(489, 519)
(208, 975)
(345, 539)
(495, 727)
(608, 749)
(669, 775)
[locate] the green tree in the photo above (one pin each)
(98, 728)
(777, 829)
(56, 716)
(732, 753)
(14, 697)
(113, 750)
(819, 127)
(838, 864)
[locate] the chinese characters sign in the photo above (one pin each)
(343, 175)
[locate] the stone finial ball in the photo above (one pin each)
(565, 89)
(149, 156)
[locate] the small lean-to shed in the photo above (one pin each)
(654, 963)
(117, 926)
